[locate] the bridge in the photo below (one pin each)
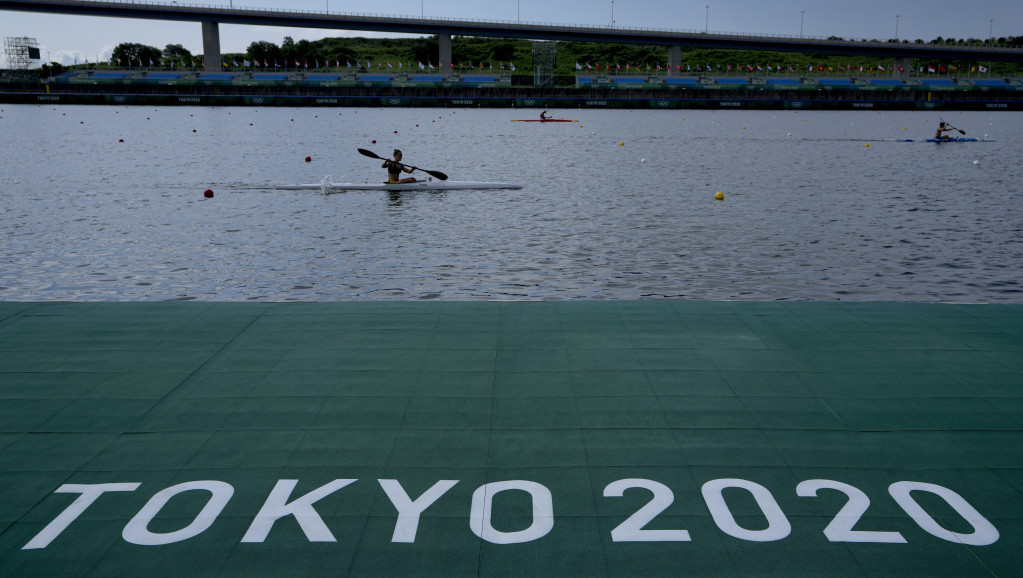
(211, 17)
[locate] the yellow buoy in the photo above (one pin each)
(720, 196)
(867, 145)
(621, 144)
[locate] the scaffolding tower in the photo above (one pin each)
(545, 61)
(21, 52)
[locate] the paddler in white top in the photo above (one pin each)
(394, 168)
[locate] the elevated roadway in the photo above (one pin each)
(212, 16)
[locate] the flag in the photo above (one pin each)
(982, 68)
(942, 69)
(759, 69)
(235, 62)
(399, 64)
(150, 62)
(588, 67)
(953, 67)
(389, 65)
(880, 68)
(247, 63)
(729, 68)
(841, 68)
(578, 66)
(421, 67)
(452, 65)
(708, 67)
(429, 64)
(512, 65)
(930, 68)
(902, 69)
(809, 68)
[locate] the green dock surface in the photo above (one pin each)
(511, 439)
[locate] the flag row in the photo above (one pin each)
(941, 68)
(368, 65)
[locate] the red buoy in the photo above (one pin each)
(208, 194)
(308, 159)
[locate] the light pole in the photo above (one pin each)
(706, 20)
(990, 30)
(897, 16)
(802, 13)
(612, 13)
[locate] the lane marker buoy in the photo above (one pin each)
(719, 197)
(208, 194)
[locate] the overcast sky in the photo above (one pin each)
(63, 38)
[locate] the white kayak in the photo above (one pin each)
(417, 186)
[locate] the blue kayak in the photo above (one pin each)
(941, 140)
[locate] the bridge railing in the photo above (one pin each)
(531, 25)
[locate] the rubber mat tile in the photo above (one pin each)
(352, 412)
(392, 338)
(949, 414)
(596, 340)
(25, 415)
(675, 338)
(1010, 408)
(737, 447)
(136, 386)
(862, 360)
(80, 547)
(149, 451)
(459, 360)
(443, 547)
(266, 413)
(277, 553)
(611, 383)
(887, 414)
(806, 413)
(603, 359)
(884, 449)
(684, 308)
(620, 412)
(536, 448)
(569, 487)
(445, 413)
(378, 383)
(689, 383)
(20, 492)
(454, 384)
(702, 555)
(675, 359)
(459, 339)
(466, 321)
(532, 384)
(760, 360)
(528, 322)
(535, 340)
(921, 384)
(97, 415)
(989, 449)
(187, 414)
(53, 452)
(297, 383)
(284, 339)
(187, 557)
(637, 447)
(728, 340)
(923, 555)
(851, 384)
(991, 341)
(231, 360)
(541, 413)
(168, 361)
(246, 449)
(716, 412)
(795, 340)
(531, 360)
(715, 323)
(452, 448)
(343, 448)
(766, 383)
(562, 552)
(218, 384)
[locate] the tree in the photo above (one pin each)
(264, 51)
(133, 54)
(51, 69)
(176, 52)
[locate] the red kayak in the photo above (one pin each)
(546, 120)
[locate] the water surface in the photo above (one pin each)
(617, 206)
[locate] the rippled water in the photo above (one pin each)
(810, 211)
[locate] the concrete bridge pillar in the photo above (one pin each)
(211, 45)
(903, 66)
(674, 60)
(444, 46)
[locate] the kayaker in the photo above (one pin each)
(942, 128)
(543, 115)
(394, 168)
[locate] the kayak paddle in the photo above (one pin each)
(435, 174)
(962, 132)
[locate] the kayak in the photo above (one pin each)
(941, 140)
(546, 120)
(417, 186)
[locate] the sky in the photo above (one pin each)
(65, 38)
